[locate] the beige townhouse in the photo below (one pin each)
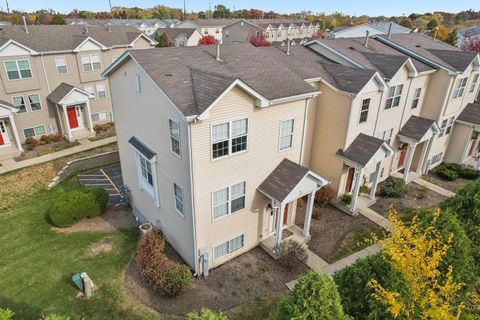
(51, 79)
(180, 37)
(213, 151)
(207, 27)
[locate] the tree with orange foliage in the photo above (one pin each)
(441, 32)
(207, 40)
(258, 40)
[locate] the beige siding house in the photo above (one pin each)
(51, 79)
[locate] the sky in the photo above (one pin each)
(351, 7)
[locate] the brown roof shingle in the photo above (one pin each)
(362, 149)
(60, 92)
(416, 127)
(471, 114)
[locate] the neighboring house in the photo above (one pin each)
(181, 37)
(372, 28)
(51, 79)
(212, 27)
(221, 147)
(471, 32)
(147, 26)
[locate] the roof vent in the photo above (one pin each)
(418, 46)
(351, 48)
(169, 74)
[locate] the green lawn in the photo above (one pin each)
(36, 265)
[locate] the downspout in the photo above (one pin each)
(195, 253)
(378, 113)
(349, 121)
(305, 119)
(45, 73)
(405, 106)
(446, 98)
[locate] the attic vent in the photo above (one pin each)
(169, 74)
(352, 48)
(417, 45)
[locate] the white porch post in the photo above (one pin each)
(422, 157)
(467, 145)
(308, 214)
(67, 124)
(427, 154)
(356, 189)
(375, 181)
(15, 133)
(411, 152)
(278, 232)
(89, 116)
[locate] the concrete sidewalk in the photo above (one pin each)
(434, 187)
(85, 144)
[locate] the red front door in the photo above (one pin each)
(285, 216)
(2, 142)
(401, 159)
(351, 172)
(72, 117)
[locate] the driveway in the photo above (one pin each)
(108, 178)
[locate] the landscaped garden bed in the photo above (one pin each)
(46, 144)
(103, 131)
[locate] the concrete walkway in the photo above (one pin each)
(375, 217)
(434, 187)
(85, 144)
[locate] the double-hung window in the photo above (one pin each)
(386, 135)
(460, 87)
(449, 125)
(394, 96)
(19, 103)
(443, 128)
(474, 83)
(229, 138)
(364, 110)
(61, 65)
(34, 101)
(416, 98)
(228, 247)
(228, 200)
(91, 63)
(101, 92)
(146, 175)
(178, 194)
(34, 132)
(174, 136)
(18, 69)
(286, 134)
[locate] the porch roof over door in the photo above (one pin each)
(6, 109)
(418, 129)
(365, 150)
(470, 115)
(66, 94)
(290, 181)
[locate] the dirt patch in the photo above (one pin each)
(248, 277)
(417, 197)
(330, 228)
(449, 185)
(104, 245)
(114, 219)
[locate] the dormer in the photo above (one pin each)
(13, 48)
(90, 44)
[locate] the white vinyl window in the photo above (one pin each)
(474, 83)
(460, 88)
(228, 247)
(449, 125)
(416, 98)
(229, 138)
(136, 83)
(228, 200)
(386, 135)
(178, 194)
(101, 93)
(18, 69)
(97, 117)
(286, 134)
(91, 63)
(394, 96)
(436, 158)
(61, 65)
(34, 131)
(19, 104)
(443, 127)
(174, 136)
(34, 101)
(364, 110)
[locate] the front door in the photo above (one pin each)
(401, 158)
(351, 172)
(75, 119)
(4, 138)
(473, 142)
(272, 225)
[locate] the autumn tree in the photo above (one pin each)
(58, 19)
(471, 44)
(207, 40)
(407, 23)
(161, 12)
(432, 24)
(440, 32)
(417, 253)
(221, 11)
(258, 40)
(162, 40)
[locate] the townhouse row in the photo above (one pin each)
(51, 80)
(217, 144)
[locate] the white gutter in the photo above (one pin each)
(304, 132)
(348, 124)
(293, 98)
(194, 224)
(446, 97)
(45, 73)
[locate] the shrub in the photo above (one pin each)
(206, 314)
(445, 170)
(55, 317)
(57, 137)
(148, 246)
(41, 142)
(101, 196)
(291, 253)
(345, 199)
(46, 138)
(393, 188)
(31, 140)
(324, 196)
(73, 206)
(365, 189)
(6, 314)
(446, 173)
(315, 296)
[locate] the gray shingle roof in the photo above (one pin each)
(173, 33)
(60, 92)
(349, 79)
(471, 114)
(460, 60)
(46, 38)
(143, 149)
(388, 65)
(416, 127)
(171, 69)
(362, 149)
(283, 179)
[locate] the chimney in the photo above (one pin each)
(390, 29)
(25, 23)
(435, 34)
(218, 51)
(367, 33)
(288, 45)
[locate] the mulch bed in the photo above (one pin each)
(417, 197)
(330, 229)
(449, 185)
(248, 277)
(41, 150)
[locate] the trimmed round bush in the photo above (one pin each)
(393, 188)
(75, 205)
(101, 196)
(345, 199)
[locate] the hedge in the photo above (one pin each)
(393, 188)
(452, 171)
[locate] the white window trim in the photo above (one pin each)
(475, 79)
(382, 134)
(30, 105)
(35, 136)
(393, 97)
(104, 90)
(182, 214)
(153, 192)
(415, 98)
(91, 62)
(24, 103)
(229, 213)
(229, 252)
(230, 154)
(179, 139)
(361, 110)
(92, 91)
(18, 69)
(66, 65)
(101, 112)
(280, 135)
(459, 88)
(443, 128)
